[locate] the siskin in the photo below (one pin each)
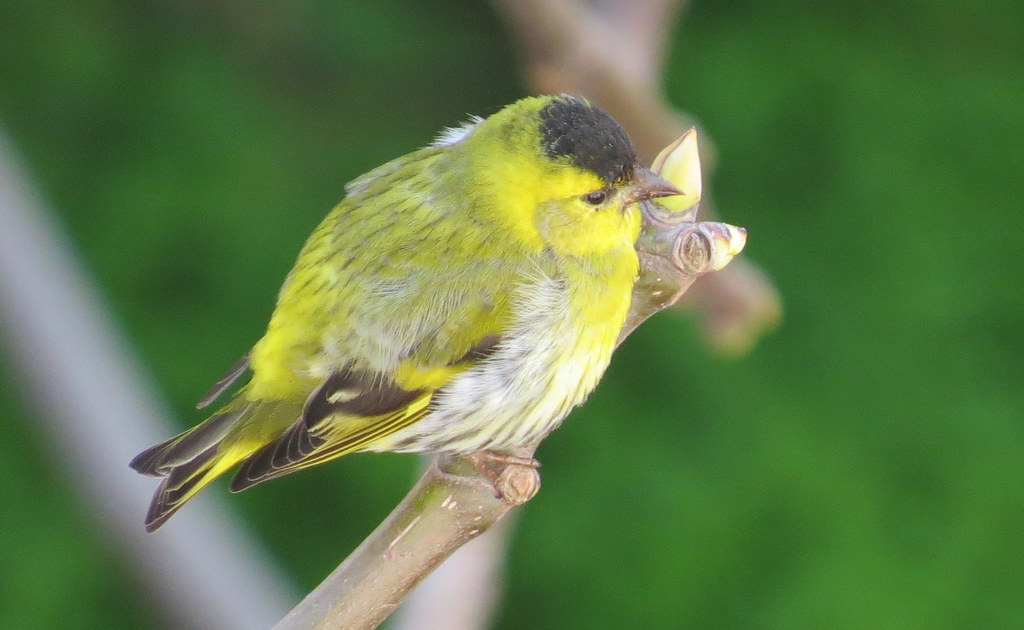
(461, 298)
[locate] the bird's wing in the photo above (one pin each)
(405, 265)
(348, 412)
(384, 317)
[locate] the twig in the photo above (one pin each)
(565, 43)
(464, 591)
(451, 504)
(613, 51)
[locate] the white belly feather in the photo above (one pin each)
(542, 368)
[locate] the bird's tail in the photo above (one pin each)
(191, 460)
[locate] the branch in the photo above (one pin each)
(464, 591)
(564, 43)
(451, 504)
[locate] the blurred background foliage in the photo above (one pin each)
(861, 468)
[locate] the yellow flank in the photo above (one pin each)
(463, 297)
(413, 376)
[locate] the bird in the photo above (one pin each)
(462, 298)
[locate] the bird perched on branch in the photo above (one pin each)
(461, 298)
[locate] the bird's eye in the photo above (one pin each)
(596, 198)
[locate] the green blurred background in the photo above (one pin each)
(861, 468)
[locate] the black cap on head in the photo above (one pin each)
(570, 127)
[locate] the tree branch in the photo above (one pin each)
(565, 49)
(452, 503)
(464, 591)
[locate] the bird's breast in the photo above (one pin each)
(557, 347)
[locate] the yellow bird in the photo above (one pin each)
(461, 298)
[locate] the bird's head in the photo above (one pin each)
(561, 173)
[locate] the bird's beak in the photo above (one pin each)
(649, 186)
